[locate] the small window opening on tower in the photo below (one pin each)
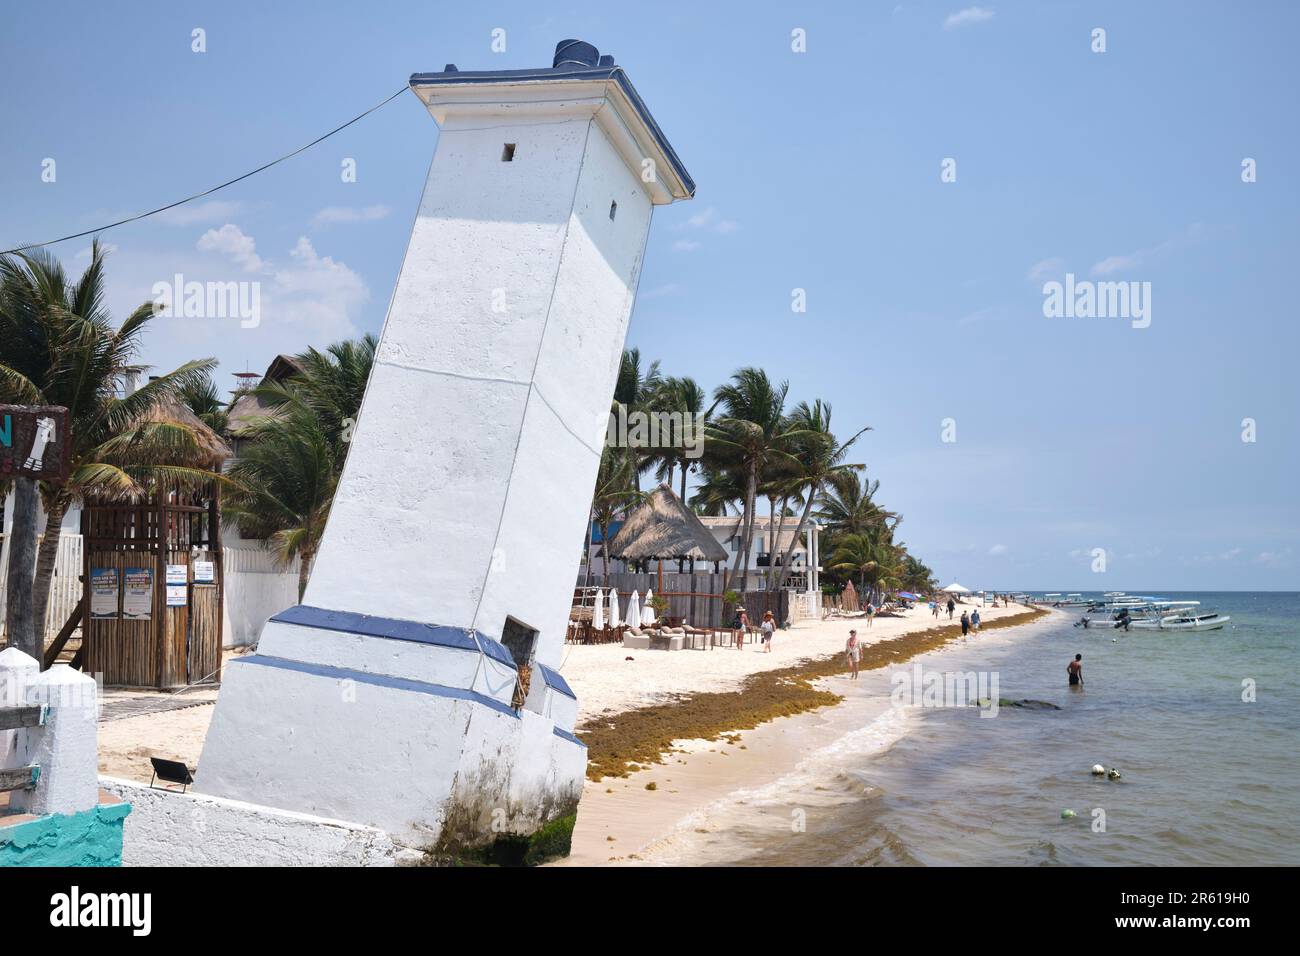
(613, 209)
(508, 153)
(520, 640)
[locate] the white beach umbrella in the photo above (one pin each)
(634, 609)
(598, 611)
(648, 613)
(613, 608)
(956, 588)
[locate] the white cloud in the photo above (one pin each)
(1273, 557)
(1045, 268)
(997, 549)
(685, 245)
(967, 16)
(230, 241)
(1125, 263)
(670, 288)
(349, 214)
(191, 214)
(710, 220)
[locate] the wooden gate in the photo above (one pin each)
(173, 643)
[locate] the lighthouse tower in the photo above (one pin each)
(416, 687)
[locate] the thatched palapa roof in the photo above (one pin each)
(663, 527)
(212, 450)
(248, 409)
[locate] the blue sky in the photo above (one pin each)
(817, 170)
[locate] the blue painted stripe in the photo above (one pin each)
(616, 73)
(564, 735)
(378, 680)
(556, 682)
(395, 629)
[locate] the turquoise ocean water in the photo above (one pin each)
(1208, 778)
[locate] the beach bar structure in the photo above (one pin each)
(152, 577)
(475, 452)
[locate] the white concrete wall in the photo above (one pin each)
(65, 747)
(167, 828)
(255, 590)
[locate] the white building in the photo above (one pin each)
(391, 695)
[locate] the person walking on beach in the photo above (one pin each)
(965, 624)
(871, 613)
(740, 625)
(1075, 670)
(934, 607)
(952, 606)
(852, 651)
(975, 620)
(768, 627)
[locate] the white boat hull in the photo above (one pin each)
(1168, 624)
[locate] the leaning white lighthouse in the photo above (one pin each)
(391, 696)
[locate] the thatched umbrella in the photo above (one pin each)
(662, 527)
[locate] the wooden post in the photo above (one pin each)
(158, 617)
(19, 610)
(218, 567)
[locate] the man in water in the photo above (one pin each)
(965, 624)
(1075, 670)
(975, 620)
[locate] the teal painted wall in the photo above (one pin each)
(90, 838)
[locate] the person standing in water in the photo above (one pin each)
(852, 651)
(965, 624)
(1075, 670)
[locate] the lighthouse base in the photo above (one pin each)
(404, 726)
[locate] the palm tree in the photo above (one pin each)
(331, 385)
(282, 485)
(865, 555)
(916, 576)
(635, 391)
(285, 479)
(820, 464)
(751, 435)
(615, 492)
(60, 348)
(684, 397)
(847, 507)
(718, 488)
(203, 398)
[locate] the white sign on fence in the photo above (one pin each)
(137, 597)
(104, 590)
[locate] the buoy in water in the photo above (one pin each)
(1066, 814)
(1098, 770)
(1113, 774)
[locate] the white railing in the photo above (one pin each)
(65, 588)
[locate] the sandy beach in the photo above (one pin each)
(606, 682)
(610, 680)
(625, 820)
